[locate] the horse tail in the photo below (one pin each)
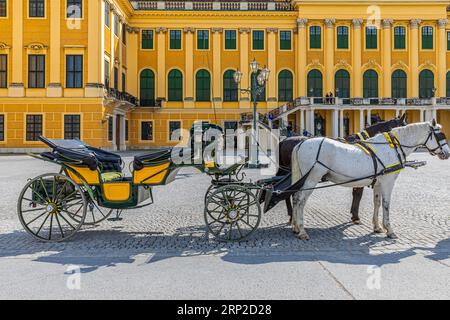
(295, 165)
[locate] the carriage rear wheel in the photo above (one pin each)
(52, 207)
(94, 213)
(232, 213)
(212, 187)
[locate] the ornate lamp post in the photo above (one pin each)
(260, 76)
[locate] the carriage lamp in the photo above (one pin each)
(237, 76)
(260, 79)
(433, 91)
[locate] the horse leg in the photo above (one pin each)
(376, 209)
(289, 209)
(303, 197)
(295, 199)
(357, 196)
(386, 191)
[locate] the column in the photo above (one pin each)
(16, 89)
(161, 64)
(335, 129)
(361, 120)
(312, 128)
(54, 88)
(329, 54)
(96, 48)
(244, 66)
(357, 77)
(369, 117)
(387, 58)
(189, 67)
(132, 61)
(341, 123)
(302, 120)
(121, 25)
(414, 58)
(272, 65)
(442, 58)
(217, 67)
(422, 118)
(123, 145)
(301, 57)
(112, 50)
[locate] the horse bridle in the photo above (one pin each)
(441, 140)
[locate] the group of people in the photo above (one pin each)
(329, 98)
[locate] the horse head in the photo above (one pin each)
(436, 142)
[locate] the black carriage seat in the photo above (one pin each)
(140, 161)
(77, 151)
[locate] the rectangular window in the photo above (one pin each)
(72, 126)
(147, 39)
(2, 127)
(107, 13)
(146, 130)
(124, 33)
(371, 38)
(107, 74)
(34, 127)
(202, 39)
(127, 137)
(74, 71)
(36, 71)
(400, 38)
(230, 39)
(74, 8)
(116, 25)
(175, 39)
(285, 40)
(110, 128)
(3, 70)
(427, 38)
(315, 37)
(448, 41)
(342, 37)
(174, 135)
(36, 8)
(124, 82)
(3, 8)
(116, 78)
(258, 40)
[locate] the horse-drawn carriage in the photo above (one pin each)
(91, 185)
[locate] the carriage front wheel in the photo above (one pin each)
(232, 213)
(52, 207)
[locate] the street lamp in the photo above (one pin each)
(260, 76)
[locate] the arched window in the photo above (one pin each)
(370, 84)
(342, 84)
(399, 84)
(262, 96)
(175, 85)
(315, 84)
(147, 91)
(426, 84)
(285, 86)
(448, 85)
(203, 86)
(230, 87)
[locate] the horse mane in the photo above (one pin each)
(407, 130)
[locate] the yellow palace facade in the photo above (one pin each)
(123, 74)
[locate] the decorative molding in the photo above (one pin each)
(428, 64)
(387, 23)
(4, 46)
(161, 30)
(132, 29)
(189, 29)
(217, 30)
(315, 64)
(400, 65)
(343, 64)
(357, 23)
(442, 23)
(302, 22)
(36, 46)
(244, 30)
(372, 64)
(329, 23)
(415, 23)
(272, 30)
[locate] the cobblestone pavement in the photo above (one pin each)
(173, 228)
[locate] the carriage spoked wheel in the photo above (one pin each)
(94, 214)
(212, 187)
(232, 213)
(52, 207)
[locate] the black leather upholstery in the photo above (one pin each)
(155, 156)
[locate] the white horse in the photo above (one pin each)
(345, 164)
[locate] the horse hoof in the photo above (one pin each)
(392, 236)
(378, 230)
(356, 221)
(303, 236)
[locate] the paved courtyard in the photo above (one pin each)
(162, 251)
